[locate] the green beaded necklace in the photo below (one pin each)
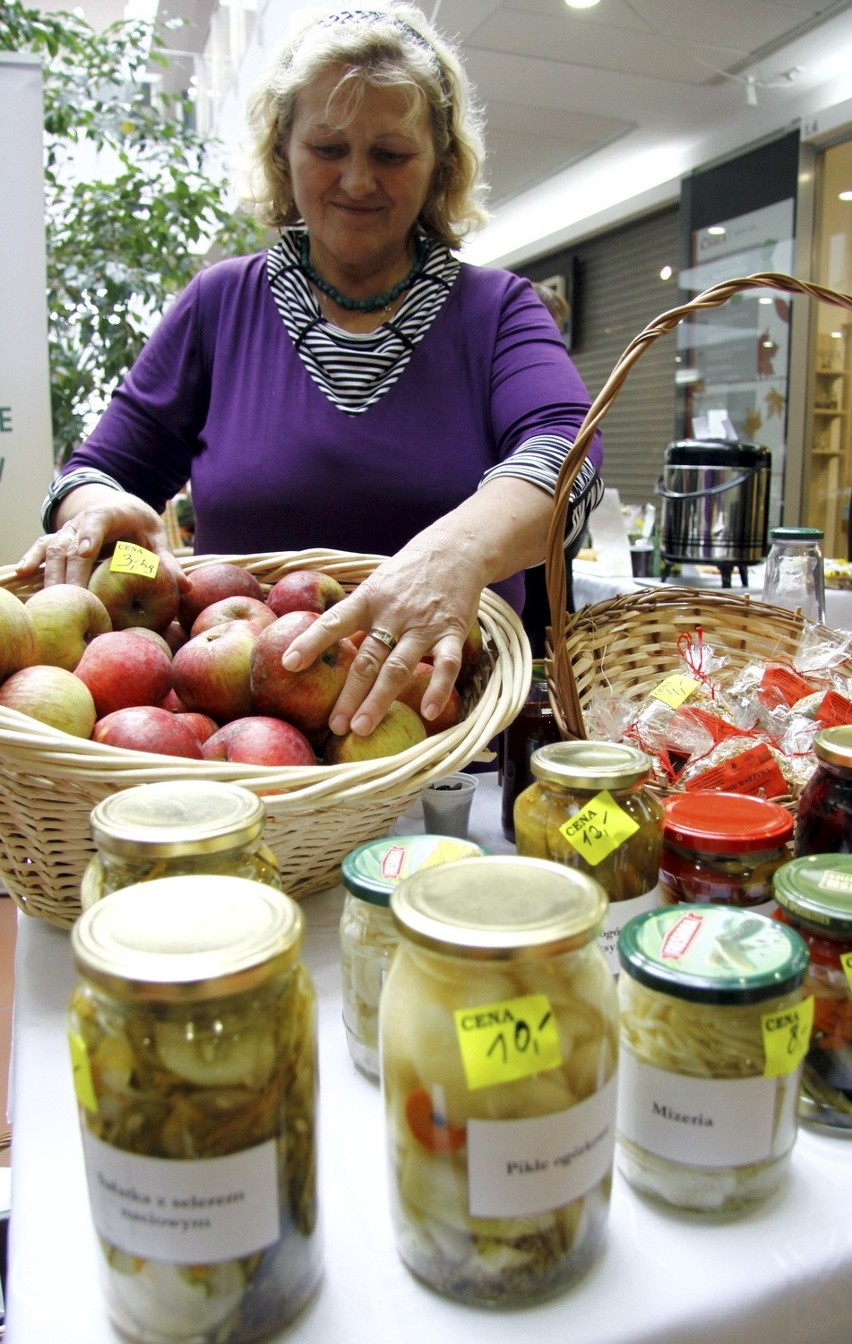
(363, 305)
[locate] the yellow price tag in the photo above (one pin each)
(84, 1088)
(128, 558)
(786, 1037)
(675, 689)
(502, 1042)
(846, 963)
(599, 829)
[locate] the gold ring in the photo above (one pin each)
(385, 637)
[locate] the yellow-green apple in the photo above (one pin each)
(17, 634)
(123, 669)
(66, 618)
(200, 724)
(259, 739)
(304, 698)
(53, 695)
(136, 598)
(236, 608)
(147, 728)
(210, 583)
(211, 673)
(470, 654)
(399, 729)
(412, 695)
(304, 590)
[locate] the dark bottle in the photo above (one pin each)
(535, 726)
(824, 818)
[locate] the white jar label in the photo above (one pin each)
(617, 915)
(186, 1212)
(518, 1167)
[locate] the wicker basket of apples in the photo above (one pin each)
(121, 684)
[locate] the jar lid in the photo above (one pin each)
(834, 745)
(590, 766)
(726, 823)
(187, 938)
(372, 870)
(503, 907)
(712, 954)
(805, 534)
(177, 817)
(817, 889)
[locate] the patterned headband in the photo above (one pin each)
(376, 16)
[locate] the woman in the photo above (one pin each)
(356, 387)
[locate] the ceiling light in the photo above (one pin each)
(666, 273)
(717, 230)
(582, 4)
(844, 196)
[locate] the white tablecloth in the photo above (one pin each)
(780, 1275)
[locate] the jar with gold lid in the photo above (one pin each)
(192, 1029)
(498, 1025)
(174, 827)
(589, 808)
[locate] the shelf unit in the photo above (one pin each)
(831, 440)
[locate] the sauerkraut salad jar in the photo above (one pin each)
(193, 1045)
(499, 1040)
(714, 1028)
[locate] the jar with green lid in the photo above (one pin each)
(824, 814)
(723, 848)
(368, 935)
(589, 808)
(192, 1029)
(499, 1039)
(175, 827)
(814, 896)
(714, 1028)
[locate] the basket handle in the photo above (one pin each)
(563, 690)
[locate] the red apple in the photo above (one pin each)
(399, 729)
(175, 635)
(17, 634)
(304, 698)
(66, 618)
(304, 590)
(200, 724)
(147, 728)
(172, 702)
(136, 599)
(211, 673)
(122, 669)
(210, 583)
(154, 636)
(53, 695)
(412, 695)
(233, 609)
(259, 739)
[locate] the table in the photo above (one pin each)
(780, 1275)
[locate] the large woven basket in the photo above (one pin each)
(629, 644)
(50, 781)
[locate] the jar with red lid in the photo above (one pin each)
(814, 896)
(723, 849)
(824, 819)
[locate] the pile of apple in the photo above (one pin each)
(133, 662)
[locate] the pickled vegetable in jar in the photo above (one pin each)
(499, 1038)
(714, 1028)
(368, 935)
(824, 816)
(175, 827)
(589, 809)
(814, 895)
(723, 848)
(193, 1043)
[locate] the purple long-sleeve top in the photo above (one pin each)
(220, 397)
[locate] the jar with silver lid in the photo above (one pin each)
(174, 827)
(589, 808)
(499, 1038)
(192, 1029)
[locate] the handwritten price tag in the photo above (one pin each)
(675, 689)
(786, 1037)
(502, 1042)
(599, 829)
(84, 1088)
(128, 558)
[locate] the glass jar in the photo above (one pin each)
(588, 809)
(824, 816)
(723, 848)
(795, 575)
(192, 1029)
(714, 1028)
(368, 935)
(499, 1035)
(814, 896)
(176, 827)
(534, 727)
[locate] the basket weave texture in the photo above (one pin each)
(50, 781)
(629, 643)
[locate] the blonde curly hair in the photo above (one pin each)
(394, 48)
